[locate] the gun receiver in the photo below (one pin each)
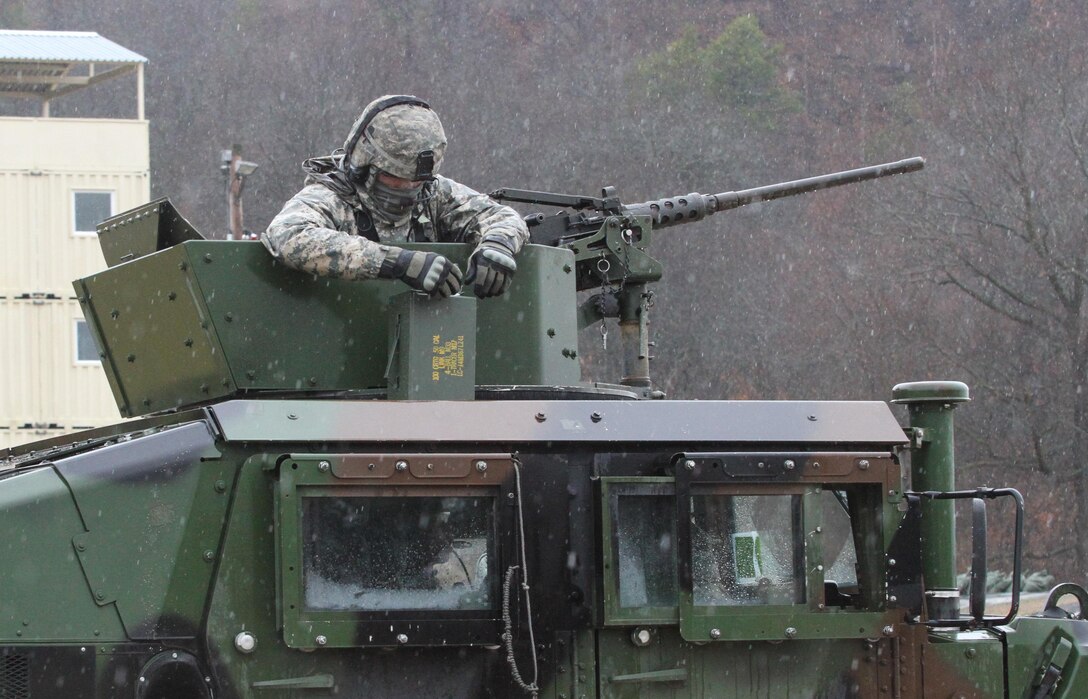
(610, 242)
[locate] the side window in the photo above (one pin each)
(639, 525)
(770, 540)
(89, 208)
(432, 553)
(747, 549)
(85, 350)
(390, 550)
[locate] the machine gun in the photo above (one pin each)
(610, 241)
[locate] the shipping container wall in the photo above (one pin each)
(58, 178)
(51, 372)
(17, 229)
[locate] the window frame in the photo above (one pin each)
(303, 476)
(612, 488)
(805, 474)
(76, 233)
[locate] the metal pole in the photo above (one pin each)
(933, 469)
(235, 183)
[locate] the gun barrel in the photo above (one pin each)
(695, 206)
(733, 200)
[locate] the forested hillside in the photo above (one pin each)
(974, 269)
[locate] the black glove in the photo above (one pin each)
(491, 267)
(428, 272)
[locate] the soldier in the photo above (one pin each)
(382, 188)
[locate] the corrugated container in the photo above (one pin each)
(43, 162)
(17, 274)
(45, 383)
(75, 394)
(20, 366)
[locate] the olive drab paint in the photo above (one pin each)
(339, 487)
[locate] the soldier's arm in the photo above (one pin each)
(464, 214)
(310, 234)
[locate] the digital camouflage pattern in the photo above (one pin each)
(394, 138)
(317, 230)
(335, 227)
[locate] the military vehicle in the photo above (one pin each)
(342, 488)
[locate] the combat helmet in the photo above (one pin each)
(397, 134)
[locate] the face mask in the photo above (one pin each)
(393, 204)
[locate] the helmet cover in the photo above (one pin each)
(405, 140)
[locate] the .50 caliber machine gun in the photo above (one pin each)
(610, 241)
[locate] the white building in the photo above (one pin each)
(58, 178)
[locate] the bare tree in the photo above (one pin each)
(1007, 226)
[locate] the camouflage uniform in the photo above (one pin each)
(337, 225)
(317, 231)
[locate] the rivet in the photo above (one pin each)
(481, 466)
(402, 638)
(863, 464)
(689, 465)
(207, 257)
(228, 317)
(172, 295)
(323, 466)
(292, 416)
(131, 358)
(209, 555)
(888, 631)
(970, 653)
(596, 417)
(551, 332)
(790, 465)
(715, 633)
(188, 342)
(540, 417)
(791, 632)
(321, 640)
(100, 596)
(402, 466)
(220, 486)
(891, 561)
(313, 380)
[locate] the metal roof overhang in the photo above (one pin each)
(47, 65)
(858, 423)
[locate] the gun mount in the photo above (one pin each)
(610, 242)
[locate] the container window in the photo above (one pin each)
(86, 351)
(89, 209)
